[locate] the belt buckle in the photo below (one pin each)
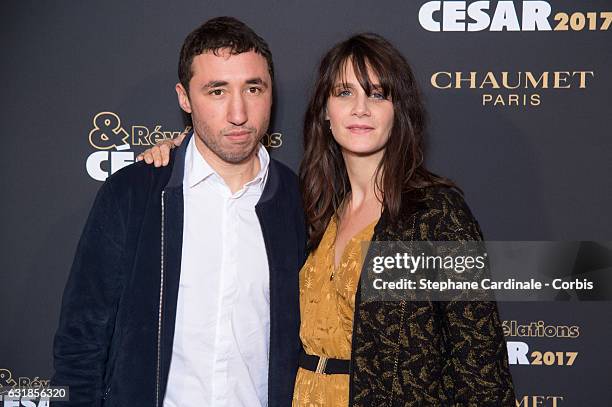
(321, 365)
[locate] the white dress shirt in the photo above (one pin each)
(222, 330)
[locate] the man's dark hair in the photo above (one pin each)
(219, 33)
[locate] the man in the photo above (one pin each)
(184, 287)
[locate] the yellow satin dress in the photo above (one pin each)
(327, 306)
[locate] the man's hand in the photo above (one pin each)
(159, 154)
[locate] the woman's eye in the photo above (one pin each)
(377, 95)
(344, 93)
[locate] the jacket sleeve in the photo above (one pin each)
(476, 371)
(89, 303)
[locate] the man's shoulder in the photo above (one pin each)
(282, 169)
(282, 187)
(287, 177)
(138, 177)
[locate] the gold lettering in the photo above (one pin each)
(486, 98)
(499, 100)
(490, 78)
(575, 331)
(522, 330)
(562, 331)
(534, 401)
(543, 78)
(434, 80)
(558, 78)
(505, 81)
(506, 327)
(471, 80)
(582, 76)
(525, 400)
(554, 400)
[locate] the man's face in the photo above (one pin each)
(230, 97)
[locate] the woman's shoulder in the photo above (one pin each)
(441, 213)
(436, 196)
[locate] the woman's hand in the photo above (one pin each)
(159, 154)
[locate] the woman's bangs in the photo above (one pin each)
(365, 64)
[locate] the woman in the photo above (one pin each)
(363, 179)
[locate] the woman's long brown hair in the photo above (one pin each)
(323, 176)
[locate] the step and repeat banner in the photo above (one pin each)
(519, 97)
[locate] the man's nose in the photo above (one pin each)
(237, 113)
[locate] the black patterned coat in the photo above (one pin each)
(409, 353)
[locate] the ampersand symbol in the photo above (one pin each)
(5, 379)
(107, 132)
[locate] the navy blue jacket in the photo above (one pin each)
(114, 342)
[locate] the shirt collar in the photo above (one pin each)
(197, 168)
(264, 164)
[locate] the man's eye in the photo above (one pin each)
(254, 90)
(216, 92)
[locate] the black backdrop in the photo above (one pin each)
(538, 170)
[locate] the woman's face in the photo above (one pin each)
(361, 124)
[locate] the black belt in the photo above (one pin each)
(321, 364)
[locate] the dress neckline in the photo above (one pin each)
(334, 224)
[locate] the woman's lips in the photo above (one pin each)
(359, 128)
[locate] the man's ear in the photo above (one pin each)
(183, 98)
